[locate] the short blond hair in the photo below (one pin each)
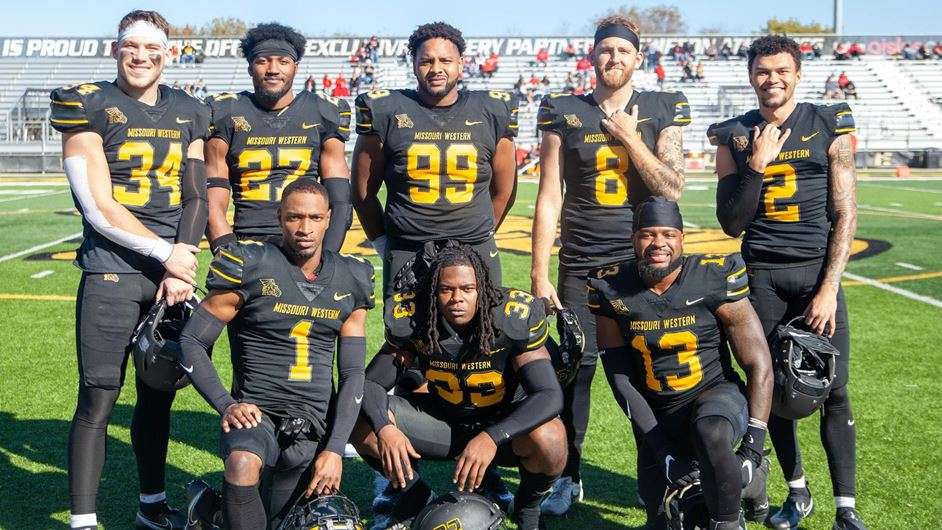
(153, 17)
(618, 20)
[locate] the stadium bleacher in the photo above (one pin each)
(897, 106)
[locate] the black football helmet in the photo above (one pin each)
(566, 355)
(157, 352)
(804, 365)
(204, 507)
(685, 508)
(327, 512)
(457, 510)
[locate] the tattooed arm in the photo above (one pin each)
(842, 202)
(663, 173)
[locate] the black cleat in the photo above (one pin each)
(159, 516)
(848, 519)
(796, 507)
(755, 497)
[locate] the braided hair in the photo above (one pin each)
(489, 297)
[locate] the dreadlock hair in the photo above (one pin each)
(489, 296)
(435, 30)
(276, 31)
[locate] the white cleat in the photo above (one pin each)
(565, 493)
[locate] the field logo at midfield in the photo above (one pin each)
(514, 238)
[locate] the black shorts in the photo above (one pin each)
(400, 251)
(572, 293)
(108, 309)
(276, 451)
(431, 433)
(783, 293)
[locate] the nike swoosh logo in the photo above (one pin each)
(307, 126)
(850, 423)
(492, 352)
(358, 399)
(812, 135)
(166, 525)
(182, 121)
(338, 297)
(642, 120)
(494, 253)
(691, 302)
(748, 467)
(187, 369)
(470, 123)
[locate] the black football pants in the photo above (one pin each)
(778, 296)
(108, 309)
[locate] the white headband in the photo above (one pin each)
(141, 28)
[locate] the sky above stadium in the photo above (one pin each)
(474, 17)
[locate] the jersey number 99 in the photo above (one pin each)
(424, 165)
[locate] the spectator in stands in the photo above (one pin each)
(187, 54)
(807, 51)
(583, 66)
(857, 50)
(743, 51)
(569, 52)
(908, 52)
(470, 66)
(848, 89)
(841, 51)
(816, 48)
(174, 54)
(937, 50)
(490, 65)
(592, 82)
(176, 84)
(546, 82)
(372, 49)
(199, 89)
(340, 90)
(326, 84)
(711, 52)
(831, 90)
(923, 52)
(653, 55)
(310, 84)
(842, 80)
(698, 72)
(518, 86)
(677, 52)
(569, 84)
(661, 75)
(687, 71)
(726, 51)
(534, 80)
(542, 58)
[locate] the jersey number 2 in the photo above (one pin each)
(786, 213)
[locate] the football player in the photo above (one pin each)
(663, 321)
(266, 139)
(475, 344)
(446, 157)
(290, 304)
(787, 179)
(133, 154)
(601, 154)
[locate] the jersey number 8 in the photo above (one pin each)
(611, 182)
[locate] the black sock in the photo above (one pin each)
(150, 432)
(839, 437)
(413, 499)
(527, 500)
(243, 507)
(153, 509)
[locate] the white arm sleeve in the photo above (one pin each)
(76, 169)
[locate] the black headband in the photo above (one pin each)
(658, 211)
(617, 30)
(273, 47)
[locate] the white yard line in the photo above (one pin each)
(41, 274)
(32, 196)
(688, 224)
(909, 266)
(900, 188)
(31, 184)
(29, 250)
(895, 290)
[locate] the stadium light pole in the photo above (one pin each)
(838, 17)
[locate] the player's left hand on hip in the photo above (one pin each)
(328, 466)
(174, 290)
(622, 124)
(473, 462)
(821, 314)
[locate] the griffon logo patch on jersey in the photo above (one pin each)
(115, 115)
(740, 143)
(572, 120)
(403, 121)
(619, 307)
(240, 124)
(270, 288)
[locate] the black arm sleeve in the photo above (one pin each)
(737, 197)
(382, 374)
(543, 402)
(199, 334)
(341, 211)
(351, 359)
(195, 204)
(632, 403)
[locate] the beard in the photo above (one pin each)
(270, 97)
(651, 275)
(438, 92)
(613, 79)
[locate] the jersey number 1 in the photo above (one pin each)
(301, 369)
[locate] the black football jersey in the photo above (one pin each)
(601, 184)
(287, 328)
(677, 344)
(269, 149)
(470, 385)
(792, 221)
(438, 160)
(146, 151)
